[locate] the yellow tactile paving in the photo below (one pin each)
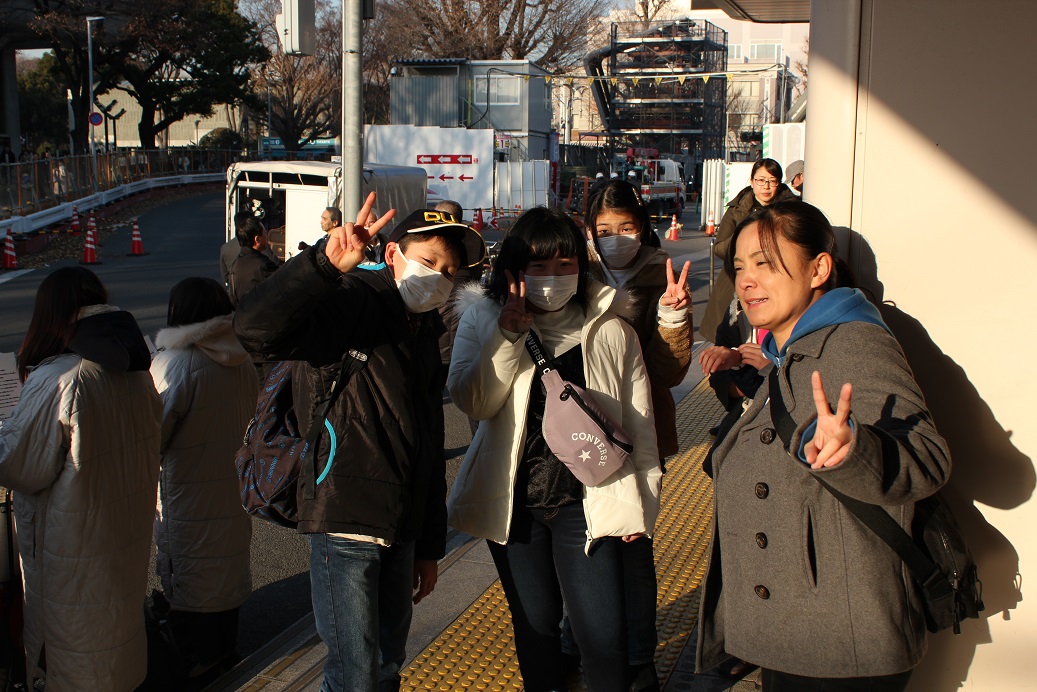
(477, 651)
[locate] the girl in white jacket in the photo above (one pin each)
(549, 534)
(209, 389)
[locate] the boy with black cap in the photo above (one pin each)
(373, 498)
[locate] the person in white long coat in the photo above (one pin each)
(208, 388)
(81, 454)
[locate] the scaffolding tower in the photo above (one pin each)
(662, 87)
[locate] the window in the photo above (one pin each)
(503, 90)
(734, 52)
(766, 51)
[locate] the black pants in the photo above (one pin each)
(775, 681)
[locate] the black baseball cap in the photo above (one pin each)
(442, 223)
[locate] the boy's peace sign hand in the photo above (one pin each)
(833, 434)
(676, 295)
(345, 247)
(514, 318)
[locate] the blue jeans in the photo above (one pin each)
(361, 596)
(537, 567)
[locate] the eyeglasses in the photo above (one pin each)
(762, 182)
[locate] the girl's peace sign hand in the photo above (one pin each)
(676, 295)
(514, 318)
(833, 434)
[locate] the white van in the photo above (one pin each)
(289, 196)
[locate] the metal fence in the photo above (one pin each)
(32, 186)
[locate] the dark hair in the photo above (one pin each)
(197, 299)
(451, 207)
(248, 230)
(619, 195)
(800, 224)
(540, 233)
(53, 323)
(336, 215)
(770, 165)
(452, 243)
(240, 217)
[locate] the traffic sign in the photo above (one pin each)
(96, 118)
(447, 158)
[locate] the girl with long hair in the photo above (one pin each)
(81, 454)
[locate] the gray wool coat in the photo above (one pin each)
(795, 582)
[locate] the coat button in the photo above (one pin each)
(767, 436)
(797, 357)
(761, 540)
(762, 592)
(762, 490)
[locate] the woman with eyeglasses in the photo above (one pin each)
(765, 188)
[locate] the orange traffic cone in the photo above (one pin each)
(10, 259)
(136, 244)
(478, 224)
(75, 220)
(90, 244)
(711, 228)
(675, 229)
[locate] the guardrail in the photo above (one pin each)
(44, 219)
(44, 184)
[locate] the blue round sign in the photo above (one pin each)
(96, 118)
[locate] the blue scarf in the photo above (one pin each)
(837, 306)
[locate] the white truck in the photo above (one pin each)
(289, 196)
(662, 184)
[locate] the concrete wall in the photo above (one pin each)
(914, 147)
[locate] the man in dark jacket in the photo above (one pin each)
(372, 497)
(252, 265)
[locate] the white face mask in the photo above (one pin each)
(551, 292)
(422, 288)
(619, 250)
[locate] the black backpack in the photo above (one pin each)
(273, 451)
(935, 552)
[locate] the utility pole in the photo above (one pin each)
(90, 79)
(352, 108)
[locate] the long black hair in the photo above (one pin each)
(58, 300)
(619, 195)
(540, 233)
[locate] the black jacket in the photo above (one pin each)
(249, 269)
(387, 478)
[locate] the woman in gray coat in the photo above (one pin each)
(81, 454)
(208, 388)
(796, 584)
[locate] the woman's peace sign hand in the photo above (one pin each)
(514, 318)
(833, 434)
(676, 295)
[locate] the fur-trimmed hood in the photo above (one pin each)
(215, 338)
(600, 297)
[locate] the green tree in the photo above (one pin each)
(42, 107)
(221, 138)
(183, 57)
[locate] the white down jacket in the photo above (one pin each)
(209, 389)
(490, 380)
(81, 454)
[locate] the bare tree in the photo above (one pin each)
(800, 69)
(550, 32)
(645, 11)
(304, 93)
(387, 38)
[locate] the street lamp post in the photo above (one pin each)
(90, 77)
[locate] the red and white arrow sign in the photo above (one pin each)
(445, 177)
(446, 158)
(465, 178)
